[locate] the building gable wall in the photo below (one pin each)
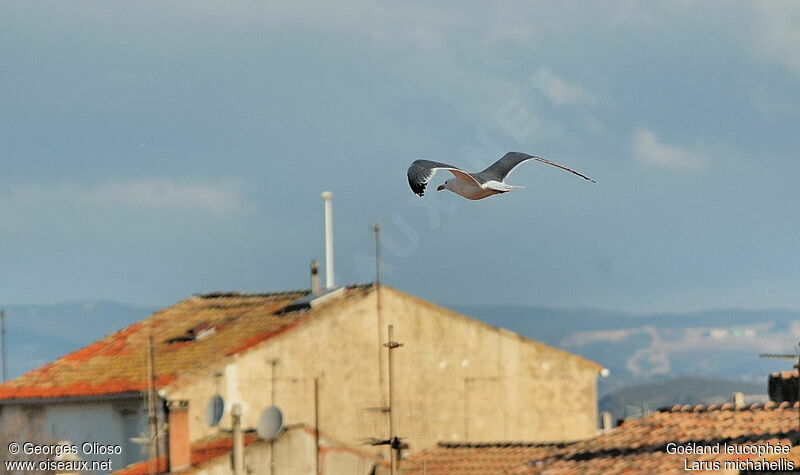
(455, 378)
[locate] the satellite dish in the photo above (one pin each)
(214, 409)
(270, 423)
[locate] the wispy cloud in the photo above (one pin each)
(206, 197)
(144, 194)
(777, 32)
(647, 148)
(559, 91)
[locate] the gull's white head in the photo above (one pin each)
(443, 186)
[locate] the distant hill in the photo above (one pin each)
(38, 334)
(722, 344)
(630, 401)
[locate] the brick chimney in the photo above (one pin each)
(178, 433)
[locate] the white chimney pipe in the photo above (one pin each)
(328, 197)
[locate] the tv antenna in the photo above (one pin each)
(376, 228)
(395, 443)
(796, 358)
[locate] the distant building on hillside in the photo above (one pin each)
(455, 378)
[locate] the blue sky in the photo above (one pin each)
(152, 150)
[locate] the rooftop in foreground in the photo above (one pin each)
(638, 446)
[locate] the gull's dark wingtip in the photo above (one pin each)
(417, 188)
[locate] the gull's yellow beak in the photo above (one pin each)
(440, 188)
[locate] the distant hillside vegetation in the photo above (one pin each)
(38, 334)
(628, 401)
(720, 344)
(717, 344)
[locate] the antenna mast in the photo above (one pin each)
(273, 364)
(394, 442)
(152, 416)
(377, 230)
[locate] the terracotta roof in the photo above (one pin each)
(638, 446)
(475, 458)
(785, 375)
(202, 451)
(200, 328)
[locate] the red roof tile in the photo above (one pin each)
(118, 362)
(638, 446)
(785, 375)
(202, 451)
(475, 458)
(199, 329)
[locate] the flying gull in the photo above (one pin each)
(475, 186)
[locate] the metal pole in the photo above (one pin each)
(5, 352)
(151, 407)
(391, 402)
(377, 230)
(393, 442)
(316, 427)
(328, 197)
(238, 440)
(273, 363)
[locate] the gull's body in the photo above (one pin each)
(474, 186)
(471, 190)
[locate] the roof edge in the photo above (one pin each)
(78, 398)
(592, 364)
(729, 406)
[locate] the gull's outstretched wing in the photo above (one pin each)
(499, 170)
(544, 160)
(421, 171)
